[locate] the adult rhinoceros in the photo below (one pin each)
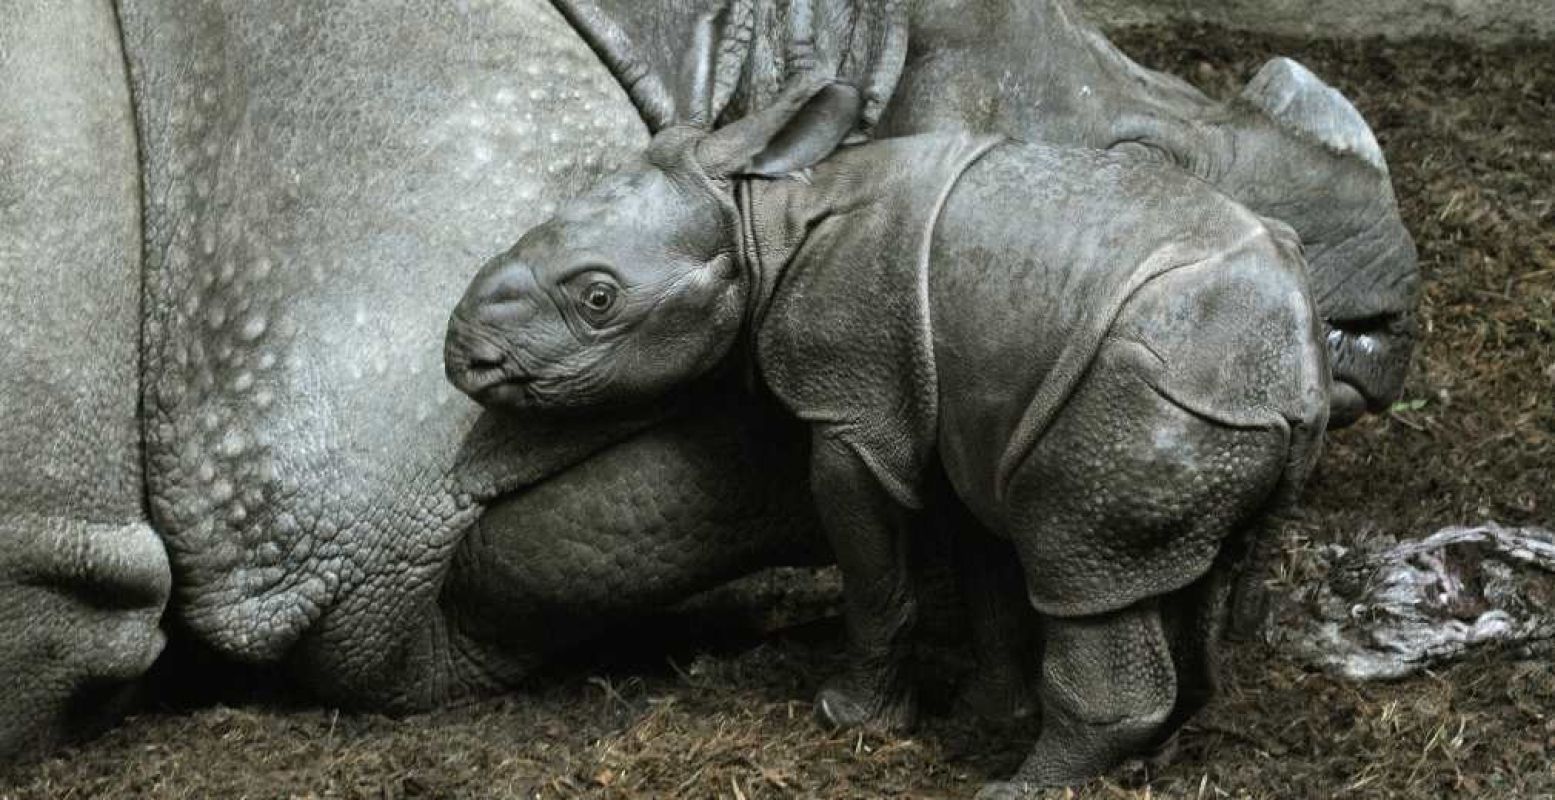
(315, 183)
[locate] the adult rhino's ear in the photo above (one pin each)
(804, 125)
(1302, 103)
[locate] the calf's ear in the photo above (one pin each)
(804, 125)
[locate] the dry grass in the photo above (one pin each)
(1471, 136)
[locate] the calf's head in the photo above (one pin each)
(636, 286)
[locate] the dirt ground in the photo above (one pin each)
(1471, 138)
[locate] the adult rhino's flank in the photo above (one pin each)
(1113, 366)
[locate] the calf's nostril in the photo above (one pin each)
(480, 364)
(482, 356)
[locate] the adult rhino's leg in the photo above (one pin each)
(82, 578)
(676, 510)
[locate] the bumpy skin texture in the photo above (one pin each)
(82, 578)
(320, 182)
(314, 180)
(655, 519)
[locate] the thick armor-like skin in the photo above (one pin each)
(318, 181)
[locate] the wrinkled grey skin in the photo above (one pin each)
(83, 580)
(1119, 371)
(1289, 148)
(317, 180)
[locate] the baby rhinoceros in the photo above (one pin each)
(1119, 371)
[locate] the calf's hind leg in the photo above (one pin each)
(1124, 516)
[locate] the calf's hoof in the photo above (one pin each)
(1005, 703)
(1249, 611)
(848, 702)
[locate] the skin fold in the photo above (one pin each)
(1289, 148)
(318, 180)
(232, 233)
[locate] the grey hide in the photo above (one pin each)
(319, 183)
(82, 578)
(1290, 147)
(1095, 358)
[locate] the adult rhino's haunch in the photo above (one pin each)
(317, 179)
(1116, 368)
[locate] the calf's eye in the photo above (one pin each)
(599, 296)
(599, 299)
(596, 295)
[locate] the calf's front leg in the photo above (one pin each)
(867, 530)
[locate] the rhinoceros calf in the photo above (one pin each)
(1118, 369)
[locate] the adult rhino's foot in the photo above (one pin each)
(873, 700)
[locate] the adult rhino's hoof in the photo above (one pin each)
(851, 703)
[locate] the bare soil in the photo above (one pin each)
(1471, 137)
